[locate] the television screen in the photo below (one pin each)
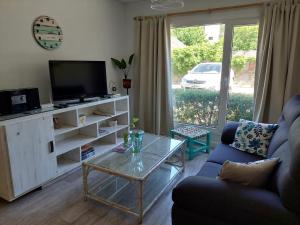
(77, 79)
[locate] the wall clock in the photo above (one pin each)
(47, 33)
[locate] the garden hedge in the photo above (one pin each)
(200, 106)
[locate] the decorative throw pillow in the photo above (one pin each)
(254, 137)
(255, 174)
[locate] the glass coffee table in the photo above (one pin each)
(134, 181)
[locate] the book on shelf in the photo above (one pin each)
(88, 151)
(86, 147)
(88, 155)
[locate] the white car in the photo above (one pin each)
(205, 75)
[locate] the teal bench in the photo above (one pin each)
(194, 135)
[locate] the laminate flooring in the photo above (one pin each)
(61, 203)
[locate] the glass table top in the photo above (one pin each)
(139, 165)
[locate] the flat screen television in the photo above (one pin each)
(77, 79)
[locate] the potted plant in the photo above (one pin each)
(125, 68)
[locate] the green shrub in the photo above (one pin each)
(239, 62)
(184, 59)
(200, 106)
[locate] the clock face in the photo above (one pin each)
(47, 32)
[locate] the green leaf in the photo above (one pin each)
(117, 63)
(123, 64)
(134, 122)
(130, 59)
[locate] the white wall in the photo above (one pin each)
(93, 30)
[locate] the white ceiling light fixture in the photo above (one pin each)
(163, 5)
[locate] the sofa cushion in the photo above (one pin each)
(231, 203)
(182, 216)
(210, 169)
(279, 137)
(254, 137)
(287, 177)
(254, 174)
(228, 132)
(291, 110)
(224, 152)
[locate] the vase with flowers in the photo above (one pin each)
(136, 136)
(125, 67)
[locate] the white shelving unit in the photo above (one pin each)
(71, 135)
(34, 149)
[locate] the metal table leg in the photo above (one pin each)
(140, 201)
(183, 158)
(85, 173)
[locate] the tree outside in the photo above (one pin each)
(199, 49)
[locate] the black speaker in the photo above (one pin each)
(33, 98)
(19, 100)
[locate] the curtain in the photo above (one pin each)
(152, 81)
(278, 75)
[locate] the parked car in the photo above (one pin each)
(205, 75)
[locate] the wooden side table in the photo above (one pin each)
(193, 135)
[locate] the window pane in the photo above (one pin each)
(240, 101)
(197, 53)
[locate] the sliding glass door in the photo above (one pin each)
(197, 55)
(213, 72)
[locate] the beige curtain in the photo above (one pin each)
(152, 81)
(278, 76)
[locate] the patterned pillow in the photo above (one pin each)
(254, 137)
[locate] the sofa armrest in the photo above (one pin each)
(229, 132)
(228, 201)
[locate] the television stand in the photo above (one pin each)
(35, 149)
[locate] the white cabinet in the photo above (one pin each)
(31, 154)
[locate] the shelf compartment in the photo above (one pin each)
(122, 119)
(68, 161)
(122, 105)
(66, 121)
(103, 112)
(110, 130)
(91, 130)
(91, 119)
(71, 140)
(104, 145)
(64, 129)
(119, 112)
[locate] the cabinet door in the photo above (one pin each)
(31, 158)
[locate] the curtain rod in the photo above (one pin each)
(209, 10)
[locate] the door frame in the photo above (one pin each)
(229, 24)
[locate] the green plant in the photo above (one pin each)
(198, 49)
(245, 38)
(134, 122)
(123, 65)
(239, 62)
(125, 137)
(202, 106)
(184, 59)
(190, 35)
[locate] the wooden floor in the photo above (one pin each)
(62, 203)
